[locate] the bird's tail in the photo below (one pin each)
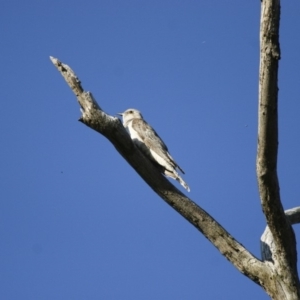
(176, 176)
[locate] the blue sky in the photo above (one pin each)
(76, 221)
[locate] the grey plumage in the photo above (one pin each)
(146, 138)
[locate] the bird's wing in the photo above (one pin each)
(153, 141)
(149, 136)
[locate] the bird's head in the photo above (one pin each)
(129, 115)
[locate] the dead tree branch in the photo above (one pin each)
(285, 255)
(113, 130)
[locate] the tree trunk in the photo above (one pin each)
(284, 283)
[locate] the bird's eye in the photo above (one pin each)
(130, 111)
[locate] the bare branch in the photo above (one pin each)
(293, 215)
(113, 130)
(285, 256)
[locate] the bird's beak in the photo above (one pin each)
(120, 114)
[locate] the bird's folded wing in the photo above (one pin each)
(153, 141)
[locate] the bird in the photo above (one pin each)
(150, 143)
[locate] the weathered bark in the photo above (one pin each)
(284, 257)
(267, 246)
